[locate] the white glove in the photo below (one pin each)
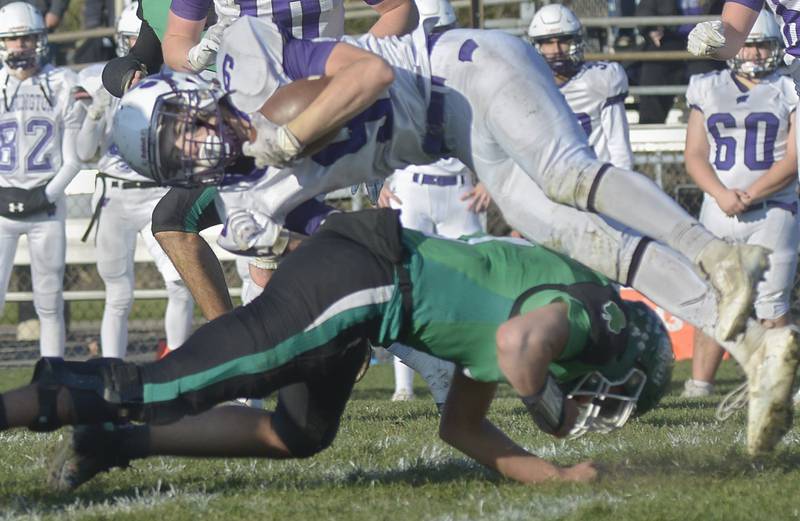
(204, 54)
(101, 101)
(274, 145)
(706, 39)
(249, 232)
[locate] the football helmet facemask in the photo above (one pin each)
(558, 21)
(606, 404)
(173, 128)
(128, 25)
(22, 19)
(765, 32)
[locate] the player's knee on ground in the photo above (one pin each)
(303, 441)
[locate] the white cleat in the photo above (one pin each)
(403, 395)
(734, 271)
(771, 370)
(696, 389)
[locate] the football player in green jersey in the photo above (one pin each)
(579, 357)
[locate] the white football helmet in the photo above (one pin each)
(439, 9)
(171, 127)
(764, 31)
(558, 21)
(20, 19)
(128, 25)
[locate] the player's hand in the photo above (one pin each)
(731, 202)
(478, 198)
(583, 472)
(250, 232)
(204, 54)
(570, 417)
(386, 197)
(101, 101)
(706, 39)
(273, 146)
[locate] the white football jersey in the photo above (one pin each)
(786, 14)
(746, 129)
(308, 19)
(33, 116)
(596, 95)
(387, 136)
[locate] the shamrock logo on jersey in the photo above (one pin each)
(614, 317)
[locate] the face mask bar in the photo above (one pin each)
(760, 67)
(564, 65)
(193, 146)
(606, 408)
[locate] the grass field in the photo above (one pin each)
(677, 463)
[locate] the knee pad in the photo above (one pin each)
(104, 389)
(575, 184)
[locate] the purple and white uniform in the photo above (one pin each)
(747, 131)
(787, 14)
(596, 94)
(305, 18)
(128, 200)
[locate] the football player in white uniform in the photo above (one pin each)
(178, 131)
(740, 150)
(39, 120)
(124, 202)
(595, 91)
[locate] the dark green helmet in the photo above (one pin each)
(641, 375)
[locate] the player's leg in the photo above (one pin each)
(47, 243)
(452, 216)
(180, 305)
(706, 357)
(115, 244)
(491, 118)
(10, 231)
(177, 220)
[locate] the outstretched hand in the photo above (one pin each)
(479, 198)
(386, 197)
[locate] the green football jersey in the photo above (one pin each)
(464, 289)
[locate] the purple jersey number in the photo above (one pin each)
(35, 160)
(380, 110)
(725, 154)
(284, 11)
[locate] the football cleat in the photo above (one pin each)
(403, 395)
(696, 389)
(85, 452)
(771, 371)
(734, 271)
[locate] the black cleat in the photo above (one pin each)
(86, 451)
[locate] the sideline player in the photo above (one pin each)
(529, 317)
(39, 121)
(124, 202)
(595, 91)
(556, 156)
(740, 150)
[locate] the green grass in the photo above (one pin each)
(676, 463)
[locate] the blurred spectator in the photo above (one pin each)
(654, 109)
(53, 10)
(98, 13)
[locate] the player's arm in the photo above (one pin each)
(396, 17)
(70, 165)
(781, 174)
(700, 170)
(358, 77)
(464, 426)
(722, 39)
(90, 136)
(613, 120)
(182, 33)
